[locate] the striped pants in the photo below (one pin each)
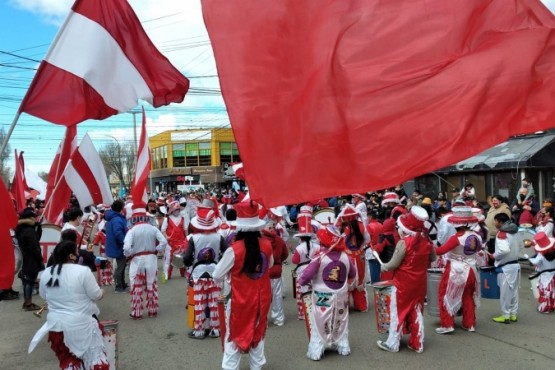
(206, 293)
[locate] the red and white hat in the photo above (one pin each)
(139, 209)
(462, 216)
(173, 206)
(412, 223)
(359, 196)
(205, 219)
(543, 243)
(348, 213)
(390, 197)
(306, 210)
(329, 236)
(479, 214)
(247, 216)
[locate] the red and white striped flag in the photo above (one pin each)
(86, 177)
(58, 192)
(8, 220)
(100, 63)
(142, 171)
(19, 185)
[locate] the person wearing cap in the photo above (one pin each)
(175, 231)
(410, 261)
(204, 249)
(544, 262)
(459, 285)
(305, 251)
(507, 247)
(246, 264)
(389, 202)
(28, 233)
(385, 246)
(280, 216)
(356, 239)
(141, 246)
(329, 273)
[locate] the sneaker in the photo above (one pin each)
(442, 330)
(135, 317)
(214, 334)
(471, 329)
(416, 350)
(385, 347)
(194, 336)
(502, 319)
(513, 318)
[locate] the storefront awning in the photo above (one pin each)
(521, 152)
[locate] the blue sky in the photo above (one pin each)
(175, 27)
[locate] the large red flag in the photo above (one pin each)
(143, 166)
(86, 177)
(19, 185)
(335, 97)
(58, 192)
(8, 220)
(101, 63)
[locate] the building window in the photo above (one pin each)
(229, 153)
(160, 157)
(191, 154)
(204, 154)
(178, 155)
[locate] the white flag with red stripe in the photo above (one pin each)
(143, 166)
(58, 192)
(101, 63)
(86, 176)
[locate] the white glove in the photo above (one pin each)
(526, 256)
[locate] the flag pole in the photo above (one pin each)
(9, 134)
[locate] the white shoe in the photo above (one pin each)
(471, 329)
(385, 347)
(442, 330)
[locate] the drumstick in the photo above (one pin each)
(377, 255)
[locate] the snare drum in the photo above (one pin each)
(51, 235)
(382, 303)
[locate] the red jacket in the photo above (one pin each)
(279, 250)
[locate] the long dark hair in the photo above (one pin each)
(61, 254)
(359, 237)
(307, 239)
(253, 259)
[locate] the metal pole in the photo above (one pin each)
(9, 134)
(135, 135)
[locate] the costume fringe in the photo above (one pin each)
(546, 299)
(95, 357)
(107, 274)
(300, 309)
(152, 299)
(137, 295)
(206, 293)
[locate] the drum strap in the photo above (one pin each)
(507, 263)
(301, 264)
(539, 273)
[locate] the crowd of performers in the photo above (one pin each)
(231, 247)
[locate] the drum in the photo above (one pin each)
(51, 235)
(432, 292)
(488, 283)
(324, 216)
(307, 309)
(110, 338)
(382, 303)
(526, 233)
(375, 270)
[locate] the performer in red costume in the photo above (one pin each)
(385, 245)
(174, 229)
(246, 266)
(356, 238)
(459, 287)
(410, 261)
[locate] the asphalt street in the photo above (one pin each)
(162, 343)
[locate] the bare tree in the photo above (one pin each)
(119, 160)
(43, 175)
(5, 171)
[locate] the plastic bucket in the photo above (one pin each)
(110, 338)
(488, 283)
(375, 271)
(535, 290)
(432, 291)
(190, 307)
